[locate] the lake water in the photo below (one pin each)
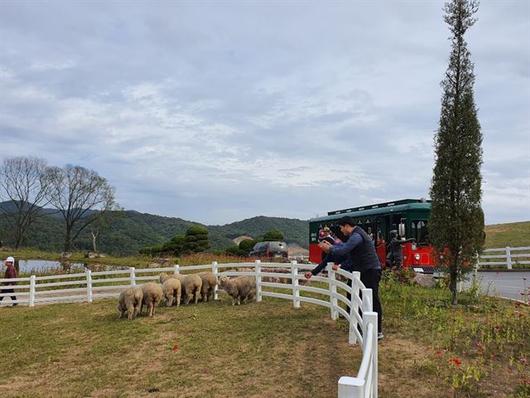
(41, 266)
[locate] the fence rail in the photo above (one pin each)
(283, 281)
(505, 257)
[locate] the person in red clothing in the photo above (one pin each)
(11, 273)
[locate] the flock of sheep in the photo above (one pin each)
(176, 288)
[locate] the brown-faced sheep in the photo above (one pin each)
(152, 295)
(242, 288)
(130, 302)
(172, 291)
(209, 281)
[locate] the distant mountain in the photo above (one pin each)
(128, 231)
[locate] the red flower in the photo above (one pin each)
(455, 361)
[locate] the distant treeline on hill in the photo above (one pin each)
(128, 231)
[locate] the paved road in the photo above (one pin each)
(506, 284)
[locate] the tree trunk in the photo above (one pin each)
(18, 233)
(453, 286)
(67, 239)
(94, 238)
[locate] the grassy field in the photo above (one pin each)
(268, 349)
(511, 234)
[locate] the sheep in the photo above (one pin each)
(190, 285)
(209, 281)
(172, 291)
(240, 289)
(152, 295)
(130, 302)
(164, 277)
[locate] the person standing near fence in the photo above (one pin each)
(360, 254)
(11, 273)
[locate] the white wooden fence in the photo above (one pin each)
(332, 291)
(505, 257)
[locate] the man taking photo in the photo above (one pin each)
(359, 253)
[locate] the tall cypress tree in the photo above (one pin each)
(457, 220)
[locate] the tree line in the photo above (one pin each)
(80, 196)
(196, 240)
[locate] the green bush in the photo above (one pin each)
(197, 230)
(246, 246)
(195, 241)
(273, 235)
(233, 251)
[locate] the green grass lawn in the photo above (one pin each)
(515, 234)
(479, 348)
(208, 350)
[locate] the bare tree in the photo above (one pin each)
(81, 196)
(24, 184)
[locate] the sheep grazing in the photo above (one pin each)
(164, 277)
(209, 281)
(130, 302)
(152, 295)
(172, 291)
(190, 285)
(242, 288)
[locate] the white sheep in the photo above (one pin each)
(172, 291)
(152, 295)
(242, 288)
(209, 282)
(164, 277)
(191, 285)
(130, 301)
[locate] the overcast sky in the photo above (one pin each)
(219, 111)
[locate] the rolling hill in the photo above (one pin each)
(128, 231)
(509, 234)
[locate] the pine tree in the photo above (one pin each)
(457, 220)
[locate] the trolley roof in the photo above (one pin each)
(396, 206)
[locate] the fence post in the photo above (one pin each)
(294, 281)
(257, 268)
(332, 291)
(508, 257)
(32, 291)
(132, 276)
(89, 285)
(351, 387)
(371, 318)
(177, 269)
(215, 272)
(354, 306)
(366, 307)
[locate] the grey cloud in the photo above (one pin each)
(217, 113)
